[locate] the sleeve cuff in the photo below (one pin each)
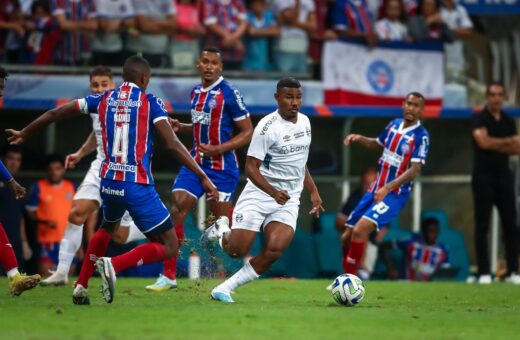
(31, 208)
(256, 155)
(159, 119)
(210, 21)
(418, 160)
(236, 119)
(82, 106)
(379, 142)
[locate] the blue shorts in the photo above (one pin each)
(50, 252)
(381, 213)
(142, 203)
(226, 182)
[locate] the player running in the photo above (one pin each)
(129, 119)
(277, 172)
(87, 199)
(217, 108)
(404, 143)
(18, 283)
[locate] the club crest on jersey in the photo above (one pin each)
(123, 94)
(239, 217)
(405, 148)
(212, 103)
(308, 132)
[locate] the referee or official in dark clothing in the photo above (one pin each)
(495, 139)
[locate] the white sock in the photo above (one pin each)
(13, 272)
(69, 245)
(244, 275)
(223, 228)
(134, 234)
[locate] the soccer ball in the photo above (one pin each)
(348, 290)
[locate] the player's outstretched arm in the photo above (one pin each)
(370, 143)
(243, 137)
(179, 127)
(67, 110)
(317, 206)
(407, 176)
(179, 152)
(88, 146)
(253, 173)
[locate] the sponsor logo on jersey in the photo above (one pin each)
(121, 167)
(240, 102)
(120, 102)
(286, 138)
(122, 118)
(288, 149)
(424, 145)
(200, 117)
(392, 158)
(308, 131)
(114, 192)
(299, 134)
(267, 125)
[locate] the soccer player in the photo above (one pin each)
(129, 119)
(217, 108)
(87, 199)
(404, 143)
(422, 253)
(18, 283)
(277, 172)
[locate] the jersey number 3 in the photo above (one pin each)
(120, 146)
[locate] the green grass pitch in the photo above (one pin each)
(266, 309)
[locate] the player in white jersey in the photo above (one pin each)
(87, 199)
(277, 172)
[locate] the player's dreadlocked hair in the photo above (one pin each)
(288, 82)
(3, 73)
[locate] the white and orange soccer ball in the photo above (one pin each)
(348, 290)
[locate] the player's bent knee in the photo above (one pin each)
(78, 215)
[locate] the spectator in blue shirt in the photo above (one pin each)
(262, 26)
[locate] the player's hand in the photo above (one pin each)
(15, 137)
(317, 206)
(352, 138)
(72, 159)
(18, 190)
(208, 150)
(381, 194)
(175, 124)
(281, 196)
(210, 188)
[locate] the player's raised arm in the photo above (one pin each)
(67, 110)
(317, 206)
(369, 143)
(88, 146)
(179, 151)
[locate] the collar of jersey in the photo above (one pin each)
(128, 83)
(285, 120)
(209, 88)
(410, 128)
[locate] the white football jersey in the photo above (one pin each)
(283, 147)
(96, 127)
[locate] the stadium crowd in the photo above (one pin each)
(254, 35)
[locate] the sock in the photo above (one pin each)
(7, 256)
(223, 228)
(170, 265)
(344, 258)
(69, 245)
(96, 248)
(143, 254)
(354, 256)
(244, 275)
(12, 273)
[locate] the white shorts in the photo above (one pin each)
(89, 188)
(255, 209)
